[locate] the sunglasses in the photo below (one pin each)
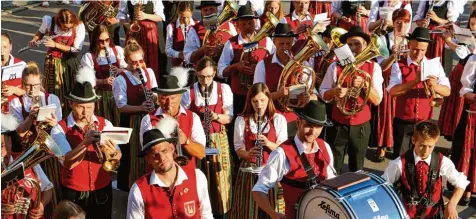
(137, 62)
(104, 40)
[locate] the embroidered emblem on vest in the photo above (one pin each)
(189, 208)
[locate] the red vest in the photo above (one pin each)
(201, 31)
(102, 71)
(217, 108)
(250, 138)
(258, 54)
(421, 173)
(135, 93)
(294, 25)
(362, 116)
(88, 175)
(185, 124)
(183, 203)
(63, 40)
(29, 173)
(414, 105)
(319, 161)
(178, 42)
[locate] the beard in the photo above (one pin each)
(164, 169)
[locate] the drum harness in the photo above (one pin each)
(414, 198)
(311, 176)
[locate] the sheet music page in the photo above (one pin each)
(119, 135)
(386, 13)
(345, 55)
(13, 71)
(463, 35)
(295, 90)
(430, 67)
(45, 112)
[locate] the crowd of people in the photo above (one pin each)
(259, 105)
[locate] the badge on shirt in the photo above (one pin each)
(189, 208)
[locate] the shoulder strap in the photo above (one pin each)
(311, 176)
(410, 169)
(433, 174)
(118, 61)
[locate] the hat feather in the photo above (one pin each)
(167, 126)
(182, 75)
(86, 74)
(9, 122)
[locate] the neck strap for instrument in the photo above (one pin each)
(311, 175)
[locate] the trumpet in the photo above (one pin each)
(108, 164)
(135, 26)
(181, 159)
(18, 193)
(436, 99)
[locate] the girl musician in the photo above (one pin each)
(376, 20)
(442, 12)
(61, 62)
(273, 6)
(177, 33)
(107, 60)
(384, 113)
(259, 113)
(144, 27)
(350, 13)
(12, 87)
(300, 20)
(318, 7)
(130, 95)
(220, 104)
(452, 107)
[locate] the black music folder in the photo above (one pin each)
(345, 180)
(16, 173)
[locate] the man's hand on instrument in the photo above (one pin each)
(183, 137)
(284, 91)
(111, 20)
(345, 19)
(7, 209)
(253, 152)
(245, 69)
(362, 10)
(51, 121)
(38, 212)
(432, 80)
(339, 92)
(147, 106)
(50, 43)
(302, 28)
(141, 16)
(92, 136)
(278, 216)
(432, 15)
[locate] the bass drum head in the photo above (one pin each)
(319, 204)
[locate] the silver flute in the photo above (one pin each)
(39, 42)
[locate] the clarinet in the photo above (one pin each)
(147, 93)
(258, 143)
(207, 126)
(111, 74)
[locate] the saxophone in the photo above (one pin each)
(135, 26)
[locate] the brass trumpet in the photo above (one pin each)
(135, 26)
(181, 159)
(436, 99)
(108, 164)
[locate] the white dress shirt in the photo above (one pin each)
(227, 55)
(374, 11)
(469, 76)
(227, 97)
(15, 106)
(135, 202)
(80, 32)
(119, 86)
(278, 166)
(330, 80)
(87, 59)
(59, 136)
(45, 183)
(169, 40)
(294, 17)
(198, 135)
(193, 41)
(279, 122)
(393, 172)
(337, 5)
(396, 75)
(452, 14)
(123, 10)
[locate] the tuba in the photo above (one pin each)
(327, 58)
(267, 28)
(95, 12)
(135, 26)
(348, 105)
(295, 73)
(16, 194)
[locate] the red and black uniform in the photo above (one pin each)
(217, 108)
(102, 71)
(222, 34)
(178, 43)
(301, 39)
(349, 9)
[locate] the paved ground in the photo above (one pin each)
(22, 25)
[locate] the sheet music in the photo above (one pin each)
(119, 135)
(13, 71)
(345, 55)
(430, 67)
(45, 112)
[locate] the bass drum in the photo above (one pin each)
(371, 199)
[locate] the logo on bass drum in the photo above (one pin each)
(329, 211)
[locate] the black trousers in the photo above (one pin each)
(97, 204)
(356, 138)
(402, 135)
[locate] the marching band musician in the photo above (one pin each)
(465, 132)
(134, 100)
(443, 12)
(317, 61)
(190, 129)
(7, 58)
(10, 88)
(194, 50)
(353, 130)
(317, 7)
(231, 66)
(419, 175)
(384, 113)
(149, 13)
(407, 84)
(273, 6)
(288, 163)
(106, 17)
(220, 104)
(259, 124)
(9, 125)
(375, 18)
(170, 190)
(348, 13)
(452, 108)
(61, 61)
(107, 60)
(84, 181)
(177, 33)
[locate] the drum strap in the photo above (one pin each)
(311, 176)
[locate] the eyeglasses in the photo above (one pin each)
(104, 40)
(32, 86)
(137, 62)
(202, 77)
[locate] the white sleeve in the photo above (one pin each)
(119, 90)
(239, 134)
(233, 31)
(57, 133)
(87, 60)
(468, 76)
(393, 171)
(227, 98)
(373, 12)
(202, 190)
(281, 128)
(192, 44)
(270, 46)
(450, 174)
(420, 14)
(198, 134)
(153, 80)
(260, 73)
(453, 10)
(45, 183)
(377, 80)
(225, 58)
(186, 101)
(159, 9)
(275, 169)
(45, 24)
(329, 80)
(122, 12)
(80, 35)
(145, 125)
(121, 57)
(331, 171)
(15, 108)
(135, 204)
(169, 40)
(336, 6)
(442, 79)
(53, 99)
(462, 51)
(395, 77)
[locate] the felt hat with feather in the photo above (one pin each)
(83, 91)
(208, 3)
(161, 133)
(174, 83)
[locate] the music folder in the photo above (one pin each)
(45, 112)
(16, 173)
(12, 72)
(119, 135)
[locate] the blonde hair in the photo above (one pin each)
(31, 69)
(132, 46)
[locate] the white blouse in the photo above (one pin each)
(87, 60)
(15, 106)
(123, 10)
(80, 31)
(119, 86)
(469, 76)
(169, 40)
(227, 97)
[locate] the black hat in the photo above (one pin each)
(245, 12)
(9, 124)
(207, 3)
(174, 83)
(314, 112)
(355, 31)
(83, 91)
(161, 133)
(420, 34)
(327, 32)
(284, 30)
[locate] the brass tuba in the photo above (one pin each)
(267, 28)
(348, 105)
(135, 26)
(19, 195)
(295, 73)
(95, 12)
